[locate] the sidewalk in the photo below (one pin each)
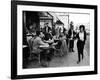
(71, 58)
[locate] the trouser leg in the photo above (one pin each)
(82, 48)
(79, 50)
(78, 57)
(71, 45)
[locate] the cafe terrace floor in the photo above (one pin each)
(68, 60)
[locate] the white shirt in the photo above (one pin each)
(81, 36)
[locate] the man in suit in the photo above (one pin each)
(46, 28)
(71, 35)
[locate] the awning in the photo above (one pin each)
(59, 22)
(45, 15)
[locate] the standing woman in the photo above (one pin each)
(81, 42)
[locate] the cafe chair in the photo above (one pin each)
(58, 52)
(62, 50)
(33, 54)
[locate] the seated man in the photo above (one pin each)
(37, 41)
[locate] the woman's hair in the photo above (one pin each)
(82, 26)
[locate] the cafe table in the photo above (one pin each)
(46, 49)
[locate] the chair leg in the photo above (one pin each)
(30, 56)
(57, 53)
(61, 52)
(39, 58)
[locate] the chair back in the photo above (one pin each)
(30, 43)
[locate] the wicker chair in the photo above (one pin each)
(62, 50)
(33, 54)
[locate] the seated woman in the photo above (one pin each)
(57, 46)
(60, 45)
(64, 46)
(59, 41)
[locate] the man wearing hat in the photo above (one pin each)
(71, 35)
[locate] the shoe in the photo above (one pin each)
(72, 50)
(82, 57)
(78, 62)
(69, 50)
